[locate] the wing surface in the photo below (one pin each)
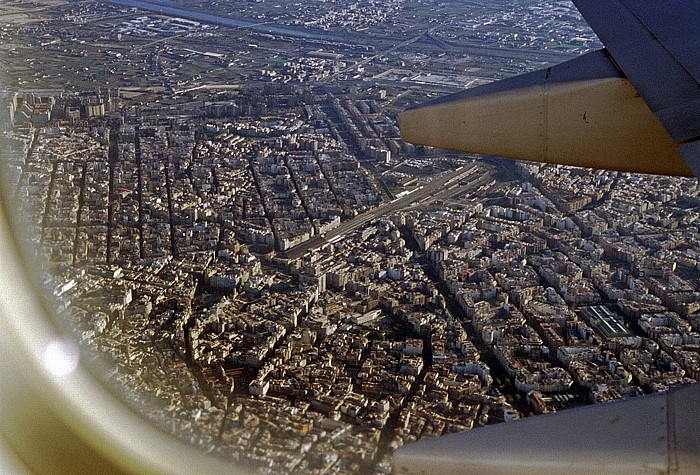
(652, 434)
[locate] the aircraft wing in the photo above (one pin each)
(634, 106)
(653, 434)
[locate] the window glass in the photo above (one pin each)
(226, 218)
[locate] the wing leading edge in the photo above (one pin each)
(632, 107)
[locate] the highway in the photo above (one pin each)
(384, 52)
(440, 188)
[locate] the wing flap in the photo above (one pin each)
(691, 155)
(676, 25)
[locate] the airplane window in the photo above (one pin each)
(232, 239)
